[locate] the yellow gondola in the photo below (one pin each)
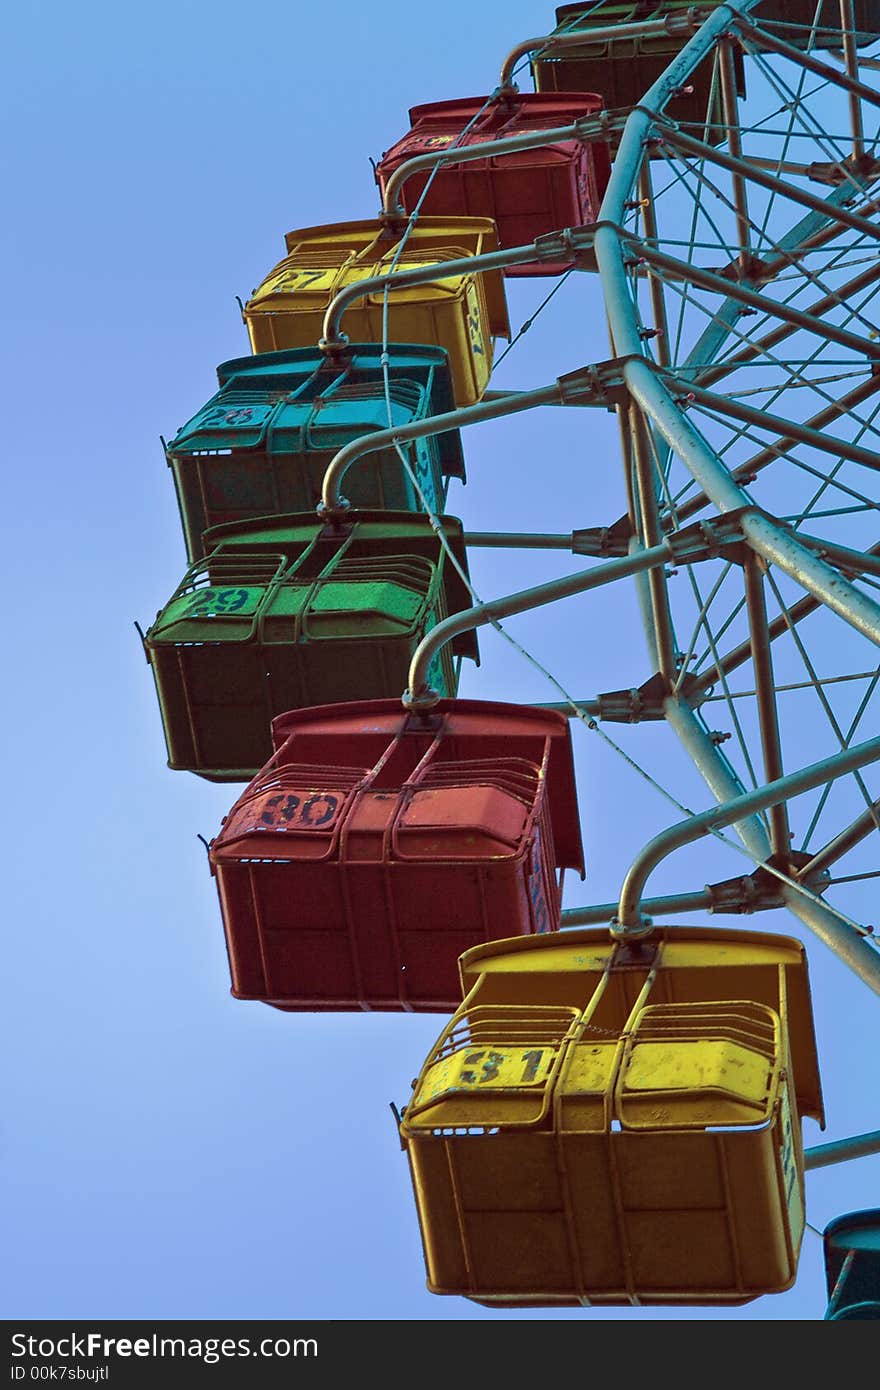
(612, 1123)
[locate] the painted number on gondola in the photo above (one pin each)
(229, 417)
(287, 810)
(289, 281)
(476, 333)
(309, 277)
(278, 811)
(489, 1067)
(790, 1174)
(474, 321)
(210, 601)
(492, 1063)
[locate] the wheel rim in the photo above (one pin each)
(742, 285)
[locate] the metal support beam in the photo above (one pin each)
(736, 896)
(551, 247)
(842, 843)
(590, 709)
(809, 234)
(813, 574)
(667, 906)
(762, 662)
(855, 562)
(651, 535)
(851, 58)
(598, 383)
(818, 230)
(518, 540)
(658, 302)
(716, 771)
(740, 654)
(766, 537)
(630, 156)
(841, 1150)
(734, 142)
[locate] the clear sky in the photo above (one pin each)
(168, 1151)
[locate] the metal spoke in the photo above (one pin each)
(842, 739)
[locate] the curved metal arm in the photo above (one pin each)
(585, 129)
(862, 957)
(421, 696)
(333, 503)
(681, 24)
(418, 275)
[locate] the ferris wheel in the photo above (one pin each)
(714, 170)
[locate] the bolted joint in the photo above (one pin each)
(817, 881)
(589, 128)
(332, 345)
(599, 383)
(634, 705)
(424, 698)
(761, 891)
(831, 173)
(840, 171)
(607, 541)
(393, 219)
(610, 124)
(751, 270)
(574, 244)
(744, 895)
(632, 932)
(792, 865)
(331, 516)
(687, 23)
(710, 535)
(704, 540)
(690, 689)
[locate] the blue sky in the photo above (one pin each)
(169, 1152)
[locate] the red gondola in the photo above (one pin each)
(378, 845)
(528, 193)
